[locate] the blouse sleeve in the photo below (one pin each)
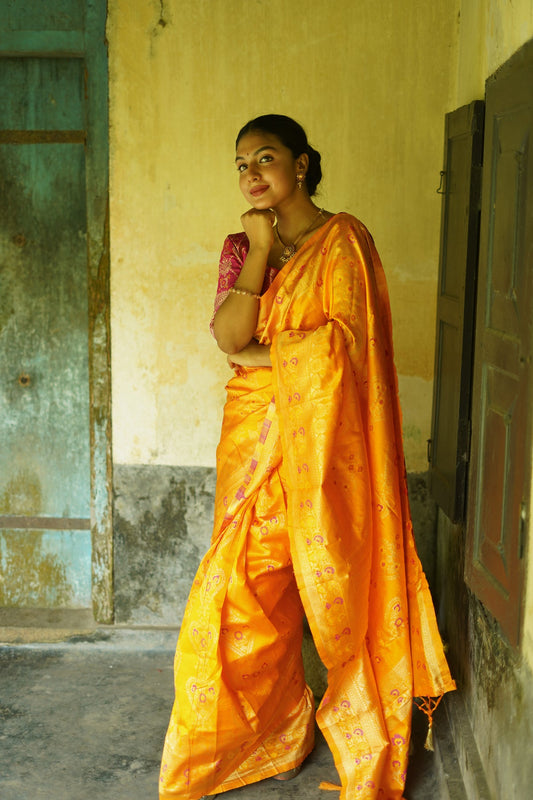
(232, 258)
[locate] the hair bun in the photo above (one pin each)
(314, 171)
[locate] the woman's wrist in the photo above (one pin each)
(245, 292)
(260, 248)
(252, 274)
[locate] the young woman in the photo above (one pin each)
(311, 508)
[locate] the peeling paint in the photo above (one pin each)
(162, 21)
(97, 155)
(164, 18)
(43, 321)
(29, 576)
(22, 494)
(100, 435)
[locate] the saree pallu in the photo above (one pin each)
(311, 514)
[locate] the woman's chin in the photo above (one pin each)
(261, 202)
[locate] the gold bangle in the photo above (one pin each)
(244, 291)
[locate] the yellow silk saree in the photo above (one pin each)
(311, 515)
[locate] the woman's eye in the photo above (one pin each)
(265, 158)
(241, 167)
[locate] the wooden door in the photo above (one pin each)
(44, 420)
(501, 443)
(451, 421)
(55, 489)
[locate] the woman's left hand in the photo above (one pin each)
(253, 355)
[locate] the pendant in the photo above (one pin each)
(288, 252)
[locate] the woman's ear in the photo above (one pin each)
(302, 163)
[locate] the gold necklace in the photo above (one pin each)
(290, 249)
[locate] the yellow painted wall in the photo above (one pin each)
(370, 81)
(490, 32)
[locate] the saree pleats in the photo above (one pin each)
(311, 511)
(242, 710)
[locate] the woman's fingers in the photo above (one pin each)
(258, 227)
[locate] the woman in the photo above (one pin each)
(311, 508)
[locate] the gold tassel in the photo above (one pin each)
(428, 706)
(429, 738)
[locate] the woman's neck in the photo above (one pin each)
(292, 221)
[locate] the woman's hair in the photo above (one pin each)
(292, 135)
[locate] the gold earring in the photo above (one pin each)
(300, 180)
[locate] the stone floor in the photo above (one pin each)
(84, 719)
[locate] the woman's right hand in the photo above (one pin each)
(236, 319)
(253, 355)
(258, 226)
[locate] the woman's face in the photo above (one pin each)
(267, 170)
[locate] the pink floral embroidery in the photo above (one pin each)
(232, 258)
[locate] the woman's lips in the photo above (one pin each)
(258, 190)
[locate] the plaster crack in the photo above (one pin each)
(162, 21)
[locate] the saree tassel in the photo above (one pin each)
(329, 787)
(428, 706)
(428, 744)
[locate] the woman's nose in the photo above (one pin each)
(253, 173)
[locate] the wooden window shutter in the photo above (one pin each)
(450, 430)
(501, 432)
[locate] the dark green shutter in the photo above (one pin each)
(450, 430)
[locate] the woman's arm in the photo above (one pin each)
(253, 355)
(236, 319)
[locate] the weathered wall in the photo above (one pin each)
(495, 680)
(163, 519)
(490, 32)
(369, 80)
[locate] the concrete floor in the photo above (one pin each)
(84, 719)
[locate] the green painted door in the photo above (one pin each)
(53, 234)
(44, 419)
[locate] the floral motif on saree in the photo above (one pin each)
(311, 514)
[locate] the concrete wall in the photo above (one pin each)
(494, 709)
(163, 518)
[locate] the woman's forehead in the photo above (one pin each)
(254, 141)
